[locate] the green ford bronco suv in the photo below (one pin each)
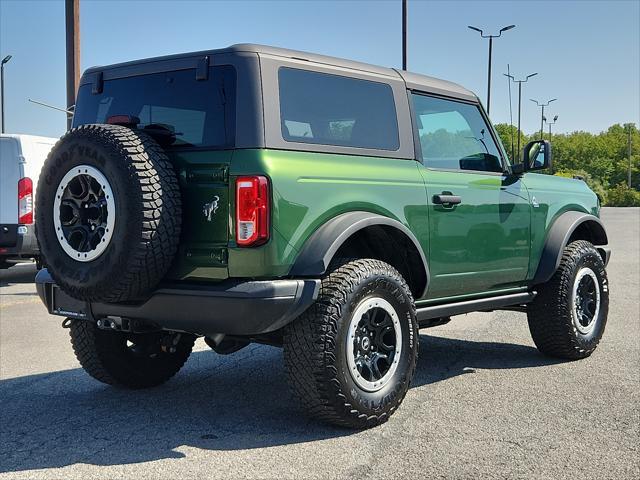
(334, 208)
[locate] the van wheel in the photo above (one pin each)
(351, 356)
(133, 360)
(568, 317)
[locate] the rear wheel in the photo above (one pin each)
(134, 360)
(568, 317)
(351, 356)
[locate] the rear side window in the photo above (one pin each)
(454, 135)
(334, 110)
(201, 113)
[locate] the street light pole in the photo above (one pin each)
(555, 119)
(490, 37)
(520, 82)
(4, 60)
(542, 104)
(489, 76)
(510, 112)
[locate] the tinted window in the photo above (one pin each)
(334, 110)
(201, 113)
(454, 136)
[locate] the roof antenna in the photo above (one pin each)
(68, 111)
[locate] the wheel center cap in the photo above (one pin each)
(365, 343)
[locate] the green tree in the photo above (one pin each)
(600, 158)
(506, 133)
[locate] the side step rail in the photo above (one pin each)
(480, 304)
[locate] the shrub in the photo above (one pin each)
(623, 196)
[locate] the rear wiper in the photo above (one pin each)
(162, 133)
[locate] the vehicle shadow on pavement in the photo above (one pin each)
(25, 273)
(221, 403)
(442, 358)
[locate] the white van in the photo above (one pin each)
(21, 159)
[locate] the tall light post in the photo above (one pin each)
(510, 112)
(490, 37)
(542, 105)
(555, 119)
(4, 60)
(520, 82)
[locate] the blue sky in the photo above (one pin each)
(586, 53)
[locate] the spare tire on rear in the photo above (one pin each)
(108, 213)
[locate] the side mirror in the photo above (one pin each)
(537, 155)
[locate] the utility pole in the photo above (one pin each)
(629, 151)
(4, 60)
(490, 37)
(542, 104)
(404, 34)
(520, 82)
(72, 23)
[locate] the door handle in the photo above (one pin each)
(446, 199)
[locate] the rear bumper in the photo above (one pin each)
(17, 241)
(229, 307)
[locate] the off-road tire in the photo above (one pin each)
(315, 346)
(550, 316)
(106, 356)
(148, 214)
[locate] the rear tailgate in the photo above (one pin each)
(197, 107)
(204, 182)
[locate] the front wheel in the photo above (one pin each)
(568, 317)
(351, 356)
(133, 360)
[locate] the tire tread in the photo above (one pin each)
(549, 316)
(309, 352)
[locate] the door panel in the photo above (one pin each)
(479, 217)
(482, 243)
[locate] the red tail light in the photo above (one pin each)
(25, 201)
(252, 211)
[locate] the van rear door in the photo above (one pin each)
(11, 170)
(35, 150)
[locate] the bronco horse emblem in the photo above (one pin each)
(209, 209)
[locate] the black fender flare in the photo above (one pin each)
(558, 237)
(318, 251)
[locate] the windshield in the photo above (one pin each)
(200, 113)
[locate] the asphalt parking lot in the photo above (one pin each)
(484, 403)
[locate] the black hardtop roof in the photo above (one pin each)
(413, 80)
